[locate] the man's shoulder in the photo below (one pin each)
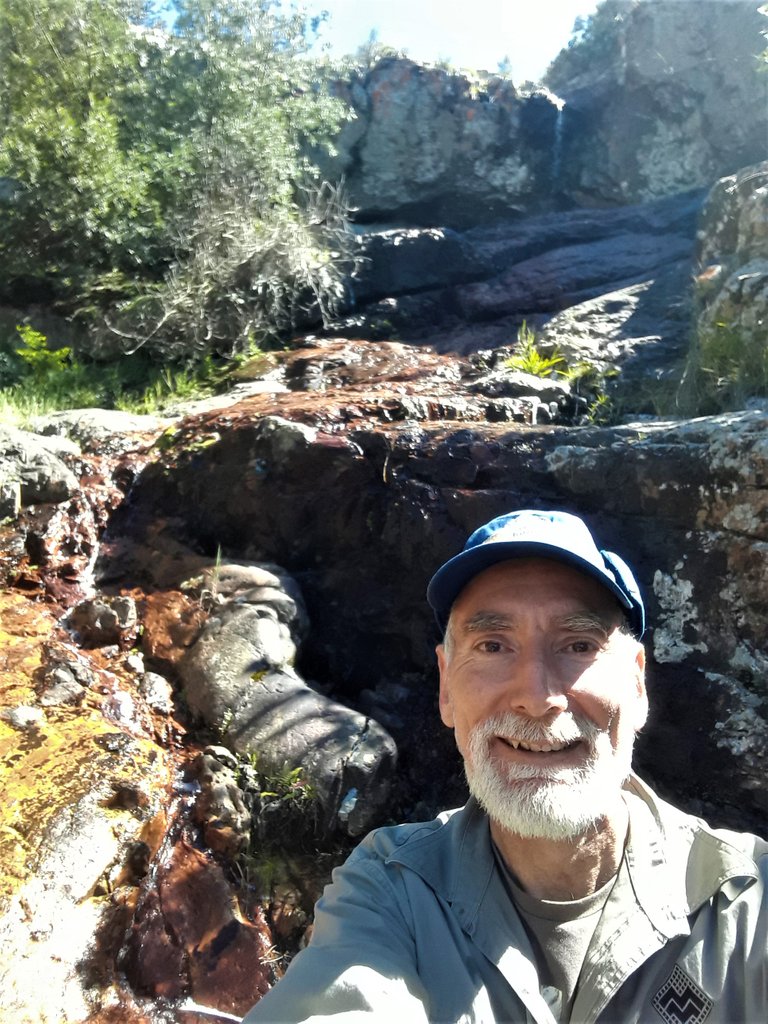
(401, 840)
(702, 859)
(440, 851)
(698, 830)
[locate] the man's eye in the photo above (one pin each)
(489, 646)
(582, 646)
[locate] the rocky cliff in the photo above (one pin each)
(657, 97)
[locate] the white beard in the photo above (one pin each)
(555, 803)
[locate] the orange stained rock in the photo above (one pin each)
(172, 622)
(50, 765)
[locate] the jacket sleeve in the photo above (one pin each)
(361, 963)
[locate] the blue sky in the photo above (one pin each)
(469, 33)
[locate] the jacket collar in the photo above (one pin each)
(676, 862)
(695, 861)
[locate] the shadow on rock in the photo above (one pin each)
(238, 677)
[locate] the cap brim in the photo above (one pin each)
(451, 578)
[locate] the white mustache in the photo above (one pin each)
(567, 728)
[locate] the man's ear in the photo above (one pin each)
(446, 707)
(641, 705)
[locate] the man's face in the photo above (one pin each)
(545, 694)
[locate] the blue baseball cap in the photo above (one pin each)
(531, 533)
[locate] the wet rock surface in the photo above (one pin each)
(77, 793)
(189, 938)
(612, 285)
(91, 757)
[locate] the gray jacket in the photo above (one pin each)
(418, 927)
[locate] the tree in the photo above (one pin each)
(78, 192)
(595, 42)
(122, 136)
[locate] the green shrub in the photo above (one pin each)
(251, 272)
(120, 137)
(726, 366)
(587, 380)
(44, 379)
(40, 360)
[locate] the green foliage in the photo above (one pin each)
(529, 359)
(40, 360)
(595, 43)
(287, 785)
(37, 378)
(79, 193)
(284, 784)
(587, 380)
(590, 382)
(127, 148)
(726, 367)
(253, 272)
(284, 806)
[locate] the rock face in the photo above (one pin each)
(684, 499)
(31, 470)
(659, 98)
(427, 146)
(81, 794)
(732, 258)
(614, 287)
(189, 939)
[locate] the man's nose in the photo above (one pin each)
(534, 688)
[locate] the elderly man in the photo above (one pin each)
(564, 891)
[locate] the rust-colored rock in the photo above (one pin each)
(190, 938)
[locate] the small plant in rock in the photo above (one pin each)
(529, 358)
(288, 784)
(284, 805)
(284, 827)
(590, 382)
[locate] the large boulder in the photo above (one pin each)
(429, 146)
(32, 469)
(732, 257)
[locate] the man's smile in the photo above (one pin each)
(538, 748)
